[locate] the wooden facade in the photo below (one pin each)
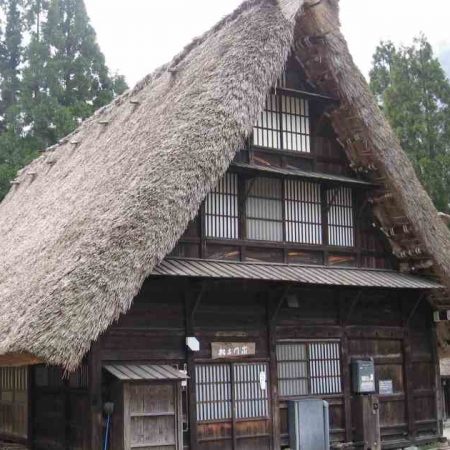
(391, 326)
(290, 197)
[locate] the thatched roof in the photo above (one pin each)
(87, 222)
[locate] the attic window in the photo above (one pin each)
(284, 124)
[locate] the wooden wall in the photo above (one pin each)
(392, 326)
(60, 409)
(14, 403)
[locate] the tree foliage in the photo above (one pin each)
(414, 92)
(52, 76)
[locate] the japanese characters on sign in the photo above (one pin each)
(385, 387)
(221, 350)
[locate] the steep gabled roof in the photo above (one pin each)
(87, 222)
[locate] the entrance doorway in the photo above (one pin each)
(232, 404)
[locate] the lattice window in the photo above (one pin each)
(213, 391)
(284, 124)
(218, 386)
(221, 209)
(251, 398)
(264, 209)
(14, 401)
(340, 217)
(303, 212)
(267, 131)
(308, 368)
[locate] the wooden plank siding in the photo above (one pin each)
(394, 327)
(367, 323)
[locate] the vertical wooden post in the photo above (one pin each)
(189, 303)
(30, 409)
(95, 396)
(345, 361)
(437, 378)
(272, 309)
(324, 215)
(407, 313)
(65, 392)
(408, 385)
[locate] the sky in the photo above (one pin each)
(138, 36)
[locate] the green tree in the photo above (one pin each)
(66, 78)
(51, 84)
(11, 59)
(414, 92)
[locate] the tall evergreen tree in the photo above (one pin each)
(10, 63)
(66, 78)
(51, 84)
(414, 93)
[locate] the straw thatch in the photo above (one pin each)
(86, 223)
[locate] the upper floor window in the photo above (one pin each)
(340, 217)
(264, 209)
(221, 209)
(284, 124)
(303, 212)
(280, 210)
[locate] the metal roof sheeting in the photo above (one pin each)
(319, 275)
(298, 173)
(137, 372)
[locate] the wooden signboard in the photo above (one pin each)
(220, 350)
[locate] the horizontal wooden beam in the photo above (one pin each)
(19, 359)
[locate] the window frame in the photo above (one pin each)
(307, 343)
(276, 111)
(243, 194)
(230, 389)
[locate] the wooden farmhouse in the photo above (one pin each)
(234, 255)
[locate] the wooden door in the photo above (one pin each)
(152, 416)
(232, 406)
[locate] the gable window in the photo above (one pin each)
(340, 217)
(303, 212)
(264, 209)
(284, 124)
(221, 209)
(308, 368)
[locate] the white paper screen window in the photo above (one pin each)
(218, 386)
(264, 209)
(284, 124)
(213, 391)
(221, 209)
(308, 368)
(303, 212)
(340, 217)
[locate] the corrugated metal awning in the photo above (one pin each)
(319, 275)
(298, 173)
(136, 372)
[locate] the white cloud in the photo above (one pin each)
(139, 35)
(365, 23)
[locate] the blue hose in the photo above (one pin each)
(105, 447)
